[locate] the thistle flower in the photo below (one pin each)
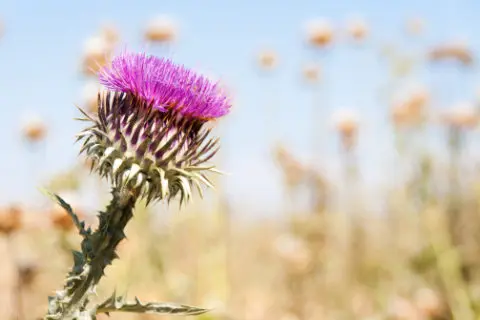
(357, 29)
(10, 220)
(34, 129)
(319, 33)
(267, 59)
(400, 115)
(149, 135)
(161, 29)
(311, 73)
(410, 109)
(346, 123)
(150, 140)
(461, 116)
(455, 51)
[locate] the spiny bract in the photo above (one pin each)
(155, 154)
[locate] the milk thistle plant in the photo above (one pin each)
(149, 140)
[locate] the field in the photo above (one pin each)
(323, 239)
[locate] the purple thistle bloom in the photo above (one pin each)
(167, 86)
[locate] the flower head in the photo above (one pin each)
(346, 123)
(319, 33)
(34, 129)
(161, 29)
(357, 29)
(462, 116)
(149, 134)
(10, 220)
(165, 85)
(267, 59)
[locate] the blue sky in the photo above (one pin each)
(43, 41)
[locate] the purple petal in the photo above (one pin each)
(166, 85)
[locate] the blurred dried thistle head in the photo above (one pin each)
(461, 116)
(319, 33)
(161, 29)
(311, 73)
(346, 123)
(400, 115)
(410, 109)
(150, 134)
(267, 59)
(10, 219)
(357, 29)
(457, 51)
(97, 53)
(34, 129)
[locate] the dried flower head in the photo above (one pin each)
(161, 29)
(34, 129)
(311, 73)
(10, 220)
(149, 135)
(97, 53)
(319, 33)
(410, 109)
(418, 101)
(357, 29)
(461, 116)
(346, 123)
(458, 51)
(267, 59)
(400, 115)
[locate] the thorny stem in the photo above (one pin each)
(98, 251)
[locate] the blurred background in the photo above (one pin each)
(352, 185)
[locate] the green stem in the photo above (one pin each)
(98, 251)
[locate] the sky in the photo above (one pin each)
(39, 74)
